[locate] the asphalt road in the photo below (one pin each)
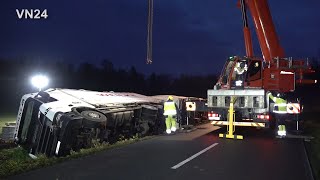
(258, 156)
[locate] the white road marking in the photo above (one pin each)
(193, 156)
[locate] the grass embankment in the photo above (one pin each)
(6, 119)
(313, 147)
(16, 160)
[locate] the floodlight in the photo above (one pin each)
(39, 81)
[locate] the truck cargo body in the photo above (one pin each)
(57, 121)
(192, 110)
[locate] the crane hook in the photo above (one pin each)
(149, 37)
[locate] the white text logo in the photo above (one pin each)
(32, 14)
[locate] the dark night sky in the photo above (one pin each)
(190, 36)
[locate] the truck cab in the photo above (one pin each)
(241, 73)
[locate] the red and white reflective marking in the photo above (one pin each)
(213, 116)
(293, 108)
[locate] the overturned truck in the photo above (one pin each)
(56, 121)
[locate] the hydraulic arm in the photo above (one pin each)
(266, 33)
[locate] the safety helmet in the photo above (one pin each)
(278, 95)
(232, 58)
(170, 98)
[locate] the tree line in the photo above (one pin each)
(15, 80)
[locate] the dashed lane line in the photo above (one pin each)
(193, 156)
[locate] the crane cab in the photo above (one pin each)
(240, 73)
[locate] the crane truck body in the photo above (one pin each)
(248, 79)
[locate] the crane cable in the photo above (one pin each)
(149, 38)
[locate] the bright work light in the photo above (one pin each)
(39, 81)
(239, 83)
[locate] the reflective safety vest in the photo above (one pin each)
(169, 108)
(239, 70)
(280, 106)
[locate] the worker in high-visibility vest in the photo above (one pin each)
(280, 110)
(170, 112)
(239, 70)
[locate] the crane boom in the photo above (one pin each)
(266, 33)
(246, 30)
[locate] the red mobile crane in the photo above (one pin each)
(274, 72)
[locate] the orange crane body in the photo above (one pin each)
(248, 79)
(275, 73)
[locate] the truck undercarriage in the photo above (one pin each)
(78, 128)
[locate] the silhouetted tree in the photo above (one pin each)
(15, 74)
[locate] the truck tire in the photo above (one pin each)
(93, 119)
(144, 128)
(149, 113)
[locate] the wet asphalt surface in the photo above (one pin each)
(258, 156)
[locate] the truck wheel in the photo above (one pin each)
(94, 116)
(145, 128)
(149, 113)
(93, 119)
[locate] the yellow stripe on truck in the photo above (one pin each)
(250, 124)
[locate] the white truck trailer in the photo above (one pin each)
(55, 121)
